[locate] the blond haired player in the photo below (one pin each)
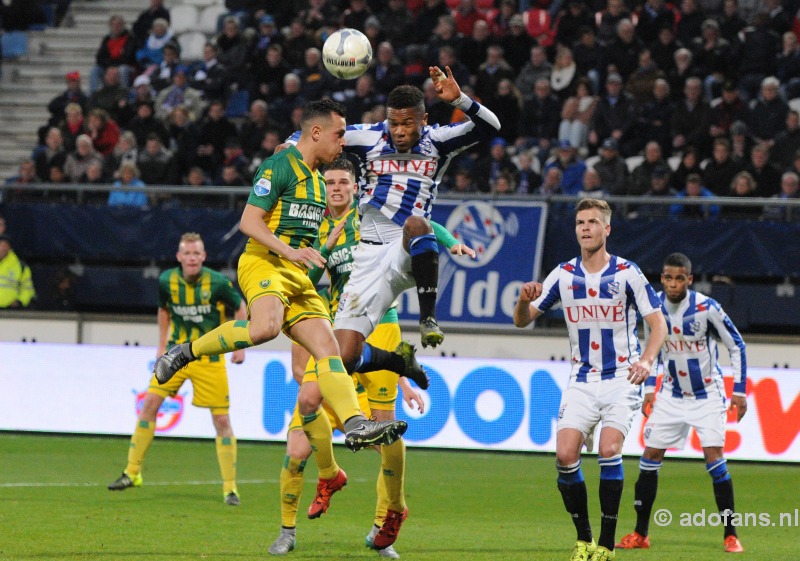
(192, 301)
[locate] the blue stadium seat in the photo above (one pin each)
(238, 104)
(15, 44)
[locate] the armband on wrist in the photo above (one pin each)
(463, 102)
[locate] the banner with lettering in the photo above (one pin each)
(508, 238)
(477, 404)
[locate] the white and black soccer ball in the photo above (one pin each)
(347, 53)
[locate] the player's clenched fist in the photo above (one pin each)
(530, 291)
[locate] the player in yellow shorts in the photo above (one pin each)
(192, 301)
(338, 236)
(282, 219)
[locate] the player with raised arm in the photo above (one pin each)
(337, 239)
(282, 219)
(191, 301)
(692, 395)
(601, 294)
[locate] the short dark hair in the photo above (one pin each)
(406, 97)
(678, 260)
(342, 164)
(321, 108)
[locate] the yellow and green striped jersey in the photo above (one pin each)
(195, 308)
(293, 195)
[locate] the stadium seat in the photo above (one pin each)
(183, 18)
(198, 3)
(704, 163)
(238, 104)
(674, 162)
(794, 104)
(15, 44)
(209, 17)
(192, 44)
(633, 162)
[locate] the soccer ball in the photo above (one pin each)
(347, 53)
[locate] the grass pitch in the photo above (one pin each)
(464, 506)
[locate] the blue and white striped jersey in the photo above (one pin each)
(600, 311)
(405, 184)
(690, 354)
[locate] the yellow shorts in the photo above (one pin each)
(270, 275)
(311, 376)
(381, 386)
(209, 381)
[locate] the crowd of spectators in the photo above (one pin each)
(692, 98)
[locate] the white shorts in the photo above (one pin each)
(380, 274)
(671, 419)
(610, 402)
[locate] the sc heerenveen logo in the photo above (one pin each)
(482, 227)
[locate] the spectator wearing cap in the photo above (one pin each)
(653, 16)
(144, 23)
(57, 105)
(623, 51)
(151, 54)
(211, 78)
(767, 114)
(117, 49)
(721, 168)
(268, 34)
(162, 76)
(694, 190)
(643, 173)
(615, 117)
(713, 57)
(726, 110)
(787, 143)
(571, 167)
(142, 91)
(180, 93)
(517, 44)
(146, 123)
(488, 168)
(655, 117)
(659, 187)
(765, 174)
(612, 169)
(16, 283)
(540, 119)
(790, 190)
(398, 24)
(691, 119)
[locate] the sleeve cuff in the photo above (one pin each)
(463, 102)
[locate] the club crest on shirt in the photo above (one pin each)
(613, 287)
(264, 283)
(262, 187)
(205, 294)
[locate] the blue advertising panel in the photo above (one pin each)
(508, 238)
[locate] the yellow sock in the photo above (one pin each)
(226, 455)
(141, 439)
(393, 468)
(291, 488)
(383, 500)
(336, 386)
(226, 338)
(318, 429)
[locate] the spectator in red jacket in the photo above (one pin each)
(118, 48)
(103, 131)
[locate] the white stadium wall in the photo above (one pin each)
(476, 403)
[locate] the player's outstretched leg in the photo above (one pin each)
(402, 362)
(413, 370)
(361, 432)
(173, 360)
(424, 251)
